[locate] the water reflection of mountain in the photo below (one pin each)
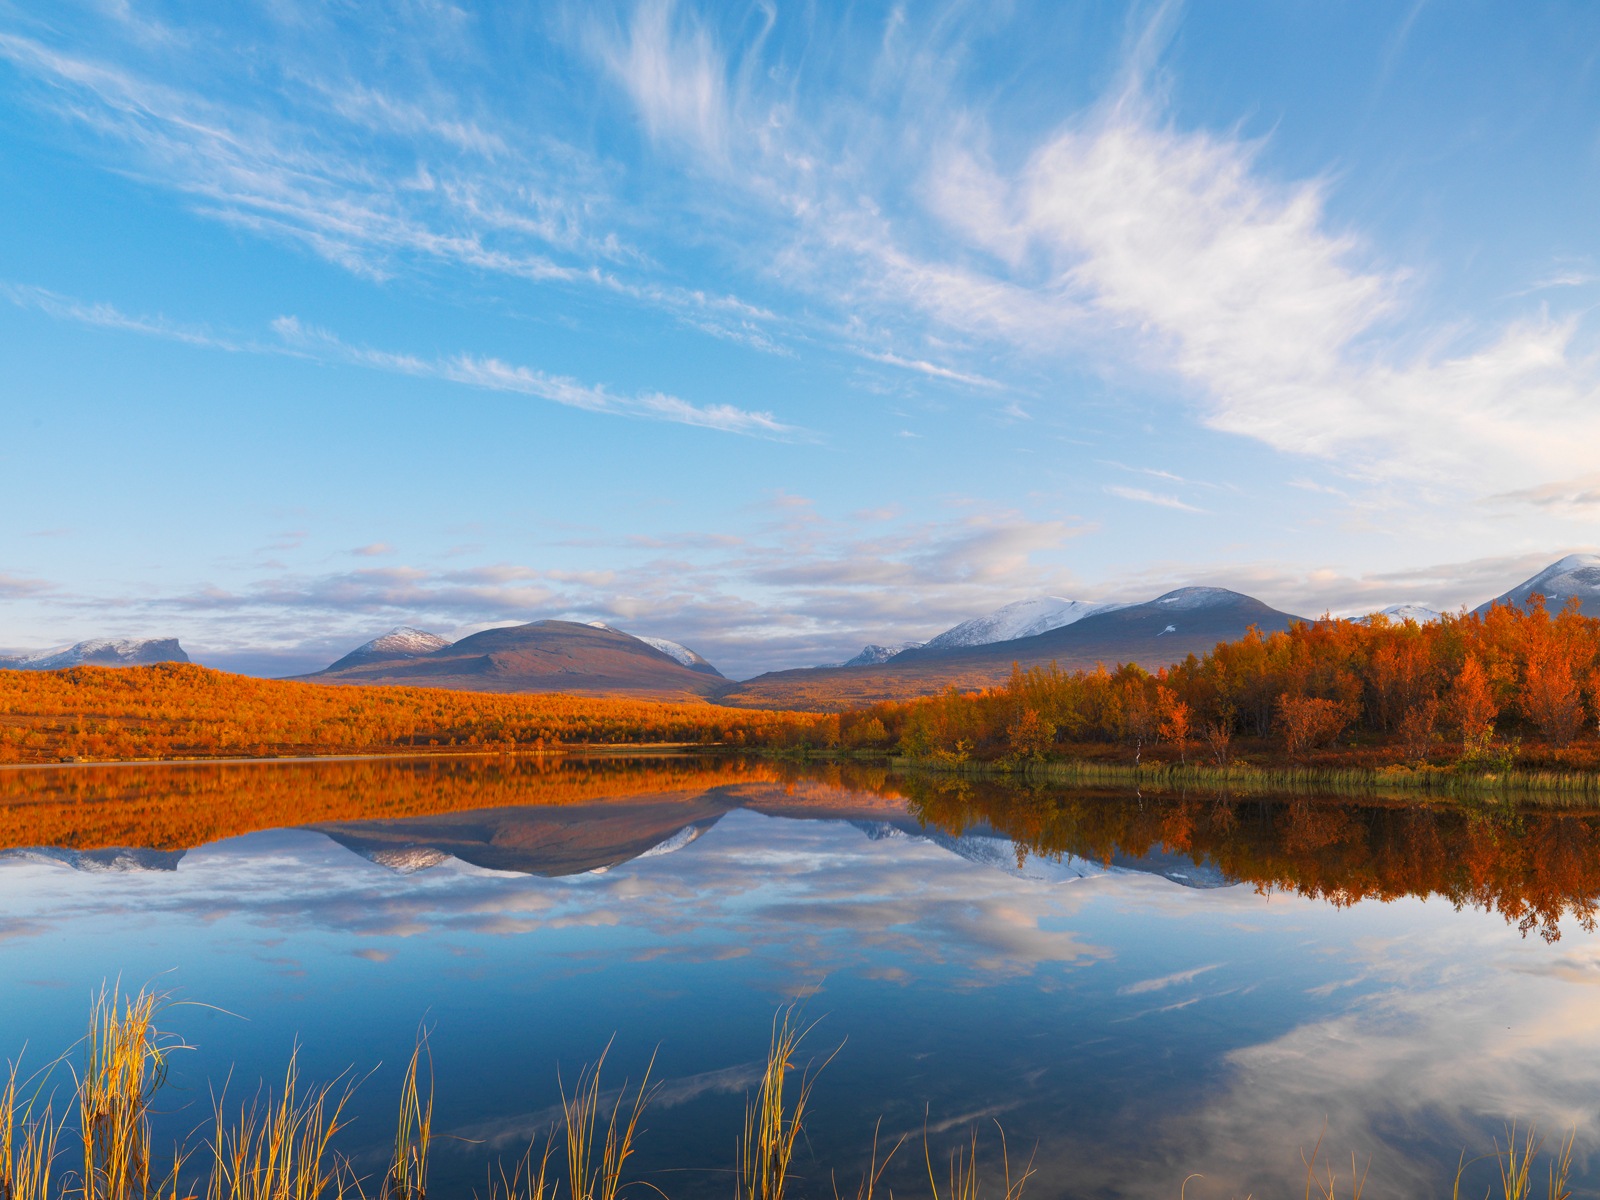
(990, 848)
(117, 859)
(1536, 866)
(577, 839)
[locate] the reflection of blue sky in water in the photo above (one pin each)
(1135, 1028)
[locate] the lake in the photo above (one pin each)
(1133, 988)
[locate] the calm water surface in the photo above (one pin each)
(1134, 988)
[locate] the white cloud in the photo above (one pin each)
(1145, 496)
(301, 340)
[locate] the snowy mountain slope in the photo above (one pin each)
(401, 642)
(1021, 619)
(872, 654)
(101, 652)
(1420, 613)
(679, 652)
(1575, 575)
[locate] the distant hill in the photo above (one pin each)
(1575, 575)
(101, 652)
(544, 656)
(1155, 634)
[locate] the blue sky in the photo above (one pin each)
(779, 328)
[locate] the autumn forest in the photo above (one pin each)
(1493, 691)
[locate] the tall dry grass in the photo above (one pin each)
(282, 1147)
(408, 1167)
(125, 1064)
(589, 1178)
(29, 1134)
(772, 1127)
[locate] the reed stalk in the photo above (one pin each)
(772, 1128)
(282, 1149)
(963, 1181)
(602, 1180)
(28, 1140)
(526, 1182)
(408, 1169)
(125, 1064)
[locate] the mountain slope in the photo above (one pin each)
(101, 652)
(544, 656)
(1155, 634)
(1575, 575)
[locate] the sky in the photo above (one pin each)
(776, 328)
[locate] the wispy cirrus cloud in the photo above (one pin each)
(494, 374)
(1146, 496)
(292, 336)
(1122, 238)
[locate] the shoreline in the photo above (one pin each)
(1424, 783)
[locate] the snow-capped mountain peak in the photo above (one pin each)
(404, 640)
(1024, 618)
(1575, 575)
(101, 652)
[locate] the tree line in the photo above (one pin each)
(1468, 688)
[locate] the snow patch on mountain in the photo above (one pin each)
(1025, 618)
(101, 652)
(673, 650)
(872, 654)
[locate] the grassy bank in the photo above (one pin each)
(1441, 782)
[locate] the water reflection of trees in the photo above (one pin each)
(1535, 867)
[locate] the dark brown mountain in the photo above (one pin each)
(1164, 631)
(544, 656)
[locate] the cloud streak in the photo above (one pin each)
(294, 337)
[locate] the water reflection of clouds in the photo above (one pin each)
(739, 890)
(1401, 1026)
(1446, 1052)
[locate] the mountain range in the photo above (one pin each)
(100, 652)
(542, 656)
(595, 658)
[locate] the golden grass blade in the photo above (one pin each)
(875, 1169)
(525, 1182)
(772, 1129)
(1561, 1168)
(587, 1179)
(408, 1168)
(28, 1144)
(281, 1150)
(125, 1064)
